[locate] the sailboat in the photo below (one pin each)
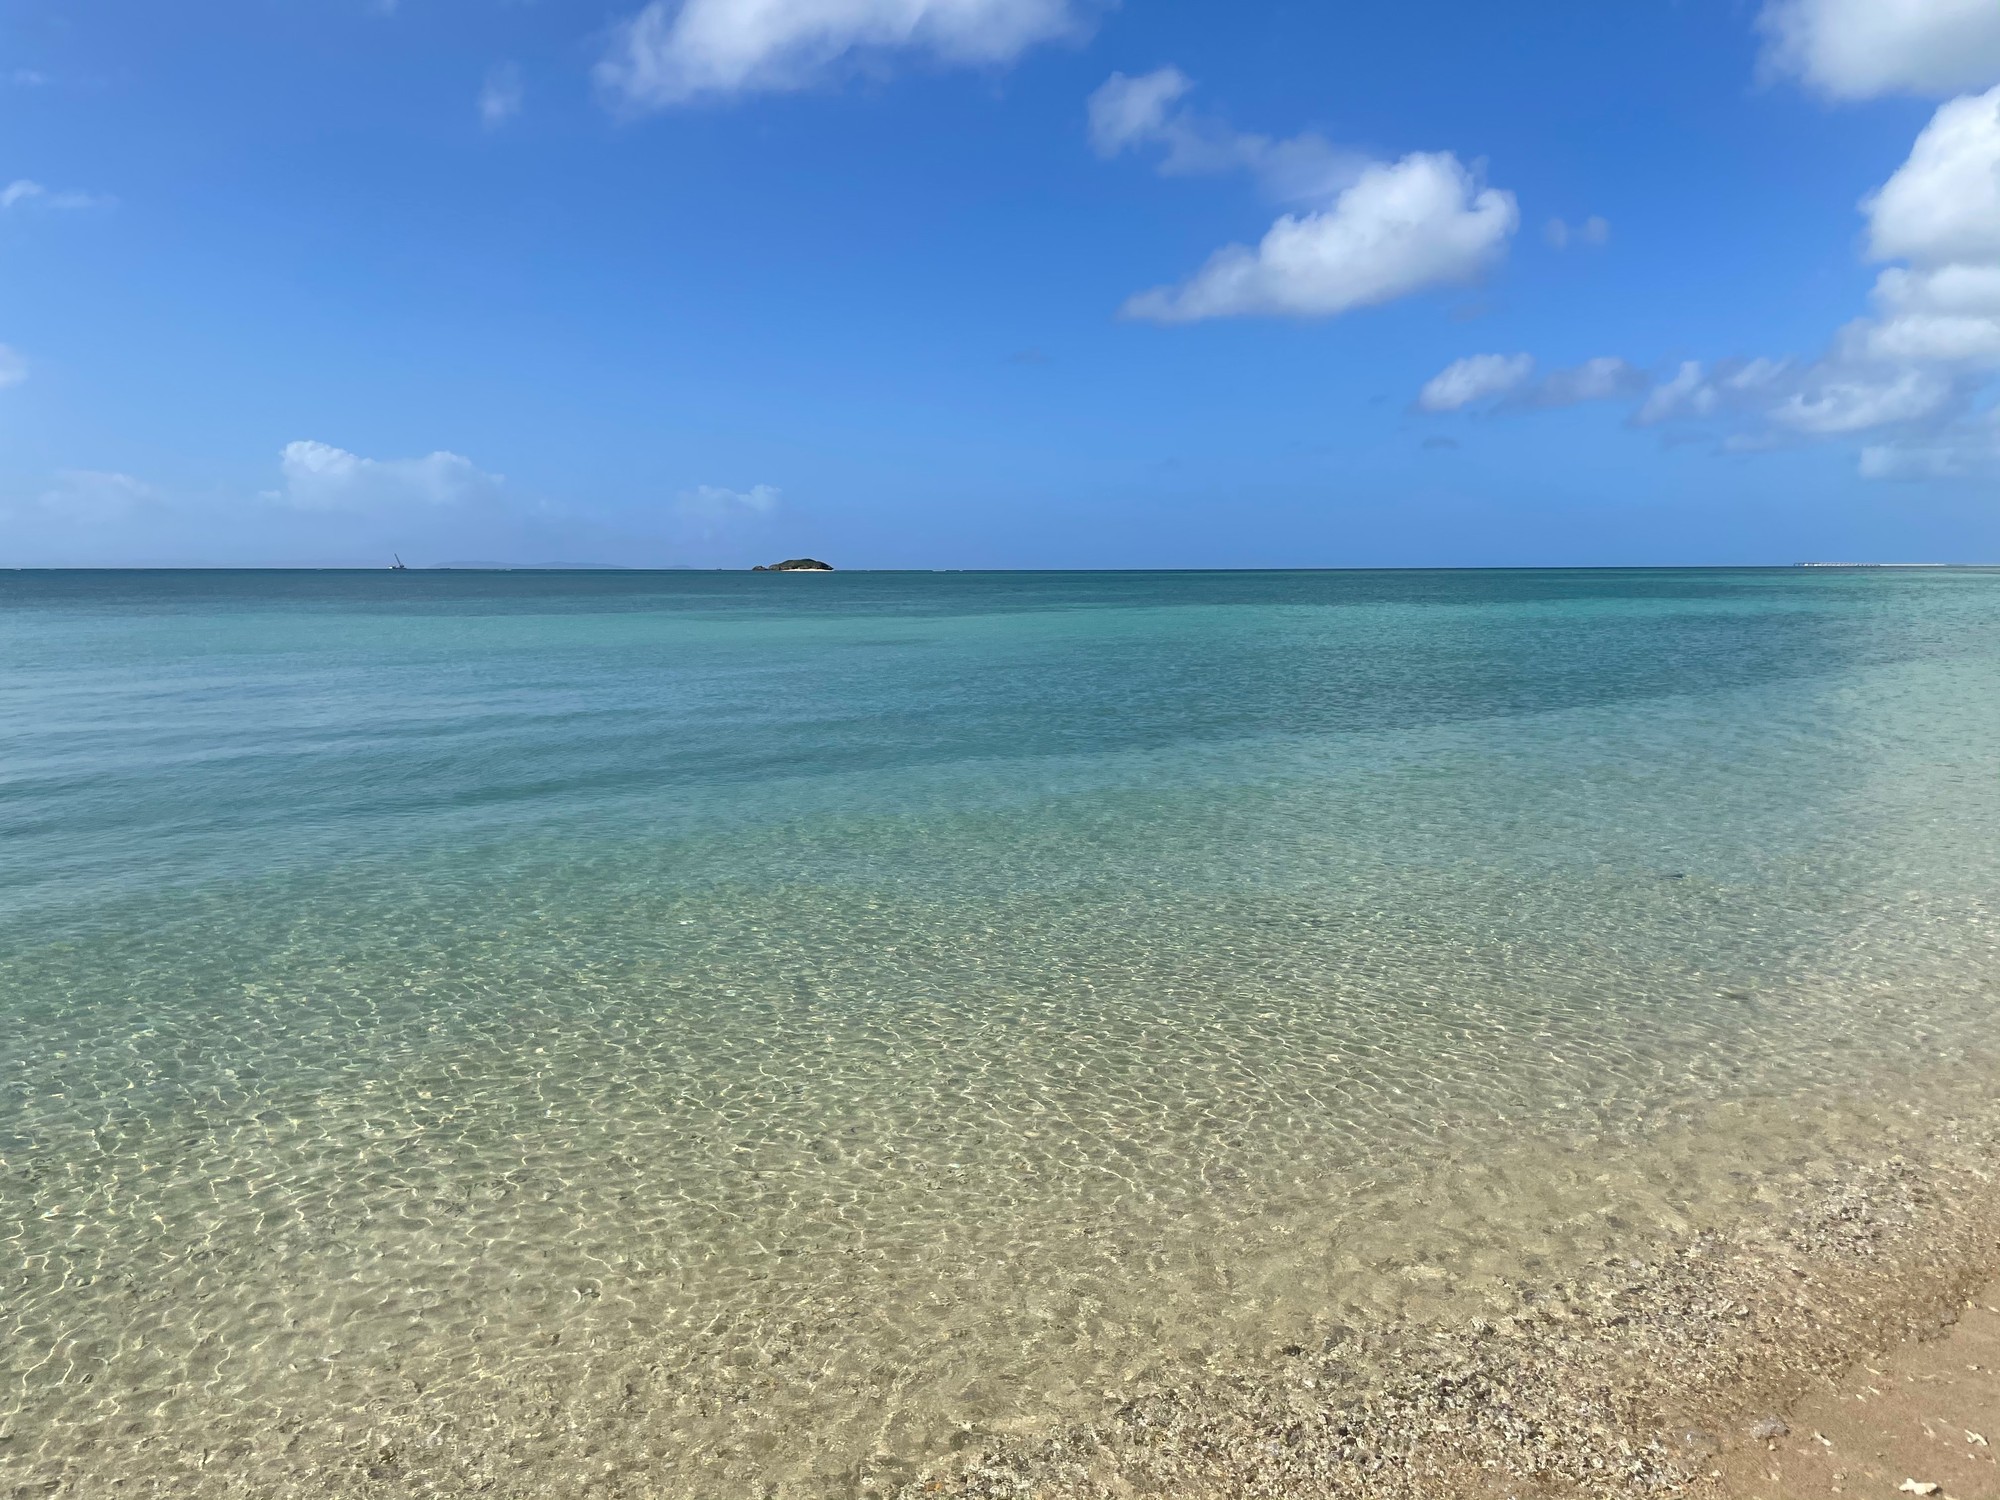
(400, 566)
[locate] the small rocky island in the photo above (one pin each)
(795, 565)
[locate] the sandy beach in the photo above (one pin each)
(1845, 1346)
(1919, 1420)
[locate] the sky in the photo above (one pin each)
(999, 283)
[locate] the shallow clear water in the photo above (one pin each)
(701, 1034)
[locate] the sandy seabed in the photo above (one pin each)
(1642, 1367)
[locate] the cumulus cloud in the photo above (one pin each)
(1399, 228)
(1859, 49)
(1935, 330)
(1943, 204)
(1477, 377)
(677, 51)
(1910, 372)
(1940, 314)
(1368, 232)
(1128, 114)
(321, 477)
(500, 95)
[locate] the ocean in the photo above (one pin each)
(691, 1034)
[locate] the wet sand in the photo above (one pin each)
(1925, 1413)
(1640, 1377)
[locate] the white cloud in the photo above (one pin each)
(1858, 49)
(321, 477)
(1733, 385)
(95, 496)
(1825, 398)
(1687, 393)
(1127, 111)
(675, 51)
(1130, 113)
(1943, 315)
(23, 191)
(710, 513)
(13, 368)
(1940, 211)
(1420, 222)
(1371, 231)
(1911, 369)
(1943, 203)
(1599, 379)
(1965, 450)
(1505, 380)
(1477, 377)
(1837, 401)
(500, 95)
(1594, 231)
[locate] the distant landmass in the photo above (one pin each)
(795, 565)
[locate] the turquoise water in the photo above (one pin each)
(699, 1034)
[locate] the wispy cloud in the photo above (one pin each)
(500, 96)
(330, 506)
(24, 192)
(1966, 449)
(678, 51)
(320, 477)
(1474, 379)
(1594, 232)
(1148, 112)
(96, 496)
(714, 502)
(1506, 382)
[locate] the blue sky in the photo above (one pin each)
(998, 283)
